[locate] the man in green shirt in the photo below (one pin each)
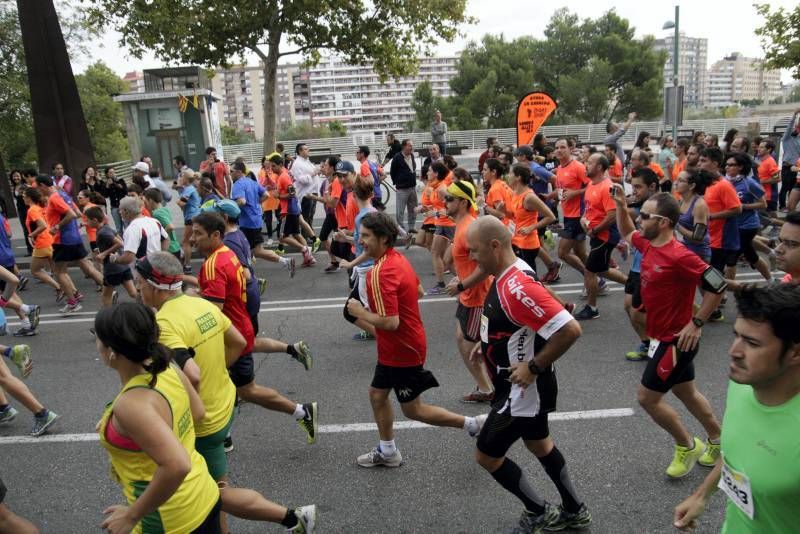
(153, 202)
(759, 469)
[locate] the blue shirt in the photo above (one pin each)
(70, 232)
(192, 198)
(251, 192)
(6, 252)
(749, 191)
(237, 242)
(376, 188)
(359, 249)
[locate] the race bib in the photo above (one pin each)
(484, 329)
(652, 348)
(736, 486)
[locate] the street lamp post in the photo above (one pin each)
(675, 55)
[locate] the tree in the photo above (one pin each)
(97, 87)
(232, 136)
(425, 104)
(780, 38)
(210, 33)
(305, 130)
(17, 145)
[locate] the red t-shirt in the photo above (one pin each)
(615, 171)
(670, 275)
(220, 171)
(721, 196)
(341, 210)
(500, 192)
(474, 296)
(571, 177)
(392, 289)
(598, 204)
(766, 170)
(284, 181)
(222, 280)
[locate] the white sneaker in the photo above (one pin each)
(480, 420)
(306, 519)
(375, 458)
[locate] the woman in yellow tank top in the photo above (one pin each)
(148, 432)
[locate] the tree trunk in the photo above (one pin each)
(270, 62)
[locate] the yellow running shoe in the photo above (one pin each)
(710, 457)
(685, 458)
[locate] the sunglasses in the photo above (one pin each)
(647, 216)
(448, 198)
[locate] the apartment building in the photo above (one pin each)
(736, 78)
(692, 65)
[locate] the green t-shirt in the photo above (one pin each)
(763, 443)
(162, 215)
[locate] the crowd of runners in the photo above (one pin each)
(682, 215)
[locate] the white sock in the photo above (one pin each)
(284, 261)
(470, 424)
(299, 412)
(26, 308)
(387, 448)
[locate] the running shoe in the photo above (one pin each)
(587, 313)
(25, 331)
(41, 424)
(570, 307)
(332, 268)
(408, 241)
(375, 457)
(363, 336)
(33, 315)
(530, 523)
(638, 354)
(309, 261)
(553, 272)
(716, 316)
(23, 283)
(480, 419)
(72, 306)
(477, 396)
(187, 269)
(292, 267)
(309, 422)
(262, 286)
(306, 520)
(549, 240)
(228, 444)
(280, 251)
(436, 290)
(8, 415)
(59, 296)
(315, 245)
(710, 457)
(78, 296)
(685, 458)
(602, 286)
(573, 521)
(114, 297)
(303, 354)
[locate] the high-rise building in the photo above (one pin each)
(135, 81)
(736, 78)
(355, 96)
(692, 65)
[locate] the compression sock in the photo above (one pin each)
(387, 448)
(299, 412)
(511, 478)
(291, 351)
(290, 519)
(556, 468)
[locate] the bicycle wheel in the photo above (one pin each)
(386, 193)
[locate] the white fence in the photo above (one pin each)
(476, 139)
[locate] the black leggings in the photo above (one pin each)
(746, 249)
(268, 221)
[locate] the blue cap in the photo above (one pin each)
(225, 206)
(344, 167)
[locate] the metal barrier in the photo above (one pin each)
(123, 169)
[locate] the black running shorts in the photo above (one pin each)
(633, 287)
(502, 430)
(242, 372)
(668, 367)
(469, 319)
(65, 253)
(599, 255)
(408, 383)
(328, 225)
(253, 235)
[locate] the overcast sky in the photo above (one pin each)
(729, 26)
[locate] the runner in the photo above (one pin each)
(20, 356)
(189, 202)
(572, 181)
(108, 242)
(499, 195)
(304, 175)
(788, 249)
(424, 238)
(444, 227)
(471, 284)
(290, 211)
(693, 222)
(28, 313)
(152, 199)
(393, 290)
(370, 169)
(763, 400)
(40, 239)
(599, 224)
(222, 282)
(330, 186)
(346, 211)
(523, 331)
(531, 217)
(204, 342)
(142, 234)
(670, 275)
(769, 174)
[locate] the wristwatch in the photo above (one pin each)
(698, 322)
(460, 287)
(535, 369)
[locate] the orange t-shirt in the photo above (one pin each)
(91, 233)
(571, 177)
(766, 170)
(500, 192)
(472, 297)
(267, 181)
(522, 219)
(351, 211)
(284, 181)
(657, 169)
(427, 201)
(341, 211)
(36, 213)
(615, 171)
(598, 204)
(439, 205)
(677, 168)
(720, 196)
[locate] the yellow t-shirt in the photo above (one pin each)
(191, 322)
(194, 499)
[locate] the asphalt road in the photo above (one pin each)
(61, 482)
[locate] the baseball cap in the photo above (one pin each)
(524, 150)
(141, 166)
(225, 206)
(344, 167)
(463, 189)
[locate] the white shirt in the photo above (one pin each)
(303, 172)
(143, 236)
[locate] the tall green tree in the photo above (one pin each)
(97, 87)
(17, 145)
(780, 38)
(390, 35)
(424, 103)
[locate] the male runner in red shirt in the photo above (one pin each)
(572, 181)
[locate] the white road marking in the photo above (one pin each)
(328, 429)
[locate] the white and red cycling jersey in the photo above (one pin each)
(519, 316)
